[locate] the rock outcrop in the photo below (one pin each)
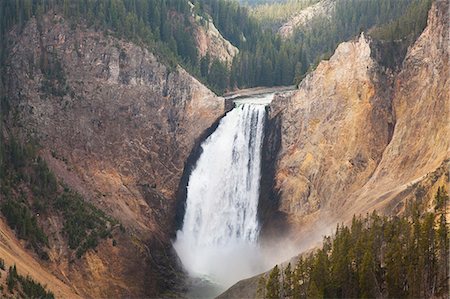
(117, 125)
(421, 140)
(355, 135)
(210, 41)
(333, 131)
(321, 9)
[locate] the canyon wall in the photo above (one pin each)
(323, 8)
(333, 132)
(117, 125)
(210, 41)
(356, 135)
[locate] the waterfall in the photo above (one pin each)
(220, 231)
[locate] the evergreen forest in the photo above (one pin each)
(264, 59)
(376, 256)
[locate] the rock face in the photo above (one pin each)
(210, 41)
(357, 137)
(421, 139)
(119, 125)
(354, 135)
(322, 8)
(333, 133)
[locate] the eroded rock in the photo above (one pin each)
(120, 126)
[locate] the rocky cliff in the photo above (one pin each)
(322, 8)
(355, 135)
(421, 139)
(117, 125)
(333, 131)
(210, 41)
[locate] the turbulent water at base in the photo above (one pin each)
(218, 241)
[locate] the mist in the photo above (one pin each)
(223, 266)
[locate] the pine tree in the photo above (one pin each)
(313, 291)
(428, 254)
(395, 267)
(320, 271)
(367, 279)
(443, 256)
(204, 65)
(273, 284)
(11, 280)
(299, 279)
(441, 199)
(287, 282)
(261, 290)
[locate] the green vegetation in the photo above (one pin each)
(43, 181)
(11, 280)
(84, 224)
(408, 25)
(167, 28)
(394, 257)
(396, 36)
(54, 81)
(21, 170)
(215, 73)
(260, 2)
(276, 13)
(32, 289)
(26, 287)
(273, 284)
(18, 166)
(163, 26)
(20, 218)
(265, 59)
(28, 187)
(322, 35)
(440, 199)
(141, 20)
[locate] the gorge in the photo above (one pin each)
(133, 179)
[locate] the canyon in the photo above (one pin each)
(356, 137)
(123, 128)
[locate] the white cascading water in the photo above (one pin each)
(219, 238)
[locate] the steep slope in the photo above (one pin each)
(333, 131)
(13, 253)
(356, 137)
(353, 136)
(421, 139)
(116, 125)
(211, 42)
(320, 9)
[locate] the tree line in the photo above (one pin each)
(274, 14)
(376, 256)
(167, 28)
(266, 60)
(408, 26)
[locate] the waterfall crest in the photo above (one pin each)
(220, 231)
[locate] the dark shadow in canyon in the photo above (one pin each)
(273, 222)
